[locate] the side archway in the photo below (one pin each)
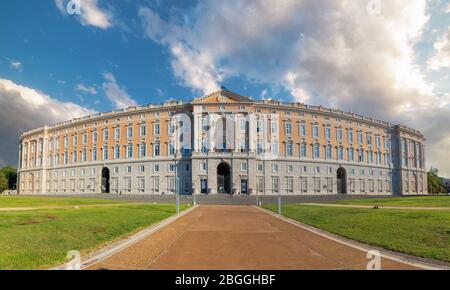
(341, 181)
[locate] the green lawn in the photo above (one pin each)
(36, 201)
(42, 238)
(423, 201)
(421, 233)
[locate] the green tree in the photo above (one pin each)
(8, 178)
(435, 183)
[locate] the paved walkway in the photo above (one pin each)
(237, 237)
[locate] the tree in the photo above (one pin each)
(8, 178)
(435, 183)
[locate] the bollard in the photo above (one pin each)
(178, 204)
(257, 200)
(195, 200)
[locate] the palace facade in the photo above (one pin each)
(223, 143)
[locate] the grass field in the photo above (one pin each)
(421, 233)
(41, 238)
(31, 201)
(418, 201)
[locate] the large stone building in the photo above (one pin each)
(223, 143)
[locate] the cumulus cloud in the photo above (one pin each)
(90, 12)
(332, 53)
(115, 93)
(35, 109)
(441, 57)
(86, 89)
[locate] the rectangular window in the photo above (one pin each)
(328, 133)
(290, 184)
(304, 184)
(275, 184)
(105, 135)
(360, 138)
(302, 130)
(303, 150)
(129, 132)
(84, 138)
(117, 152)
(350, 136)
(143, 131)
(244, 166)
(316, 151)
(339, 134)
(74, 140)
(141, 184)
(274, 168)
(94, 137)
(117, 133)
(142, 150)
(317, 185)
(315, 131)
(288, 127)
(105, 153)
(260, 184)
(156, 129)
(129, 151)
(288, 149)
(157, 150)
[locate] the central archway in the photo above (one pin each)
(105, 180)
(223, 178)
(342, 181)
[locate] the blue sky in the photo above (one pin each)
(391, 63)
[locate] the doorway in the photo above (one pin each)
(105, 180)
(223, 178)
(341, 181)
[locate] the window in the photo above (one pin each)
(275, 184)
(288, 149)
(66, 157)
(317, 185)
(204, 166)
(105, 135)
(275, 148)
(143, 131)
(74, 140)
(274, 168)
(290, 184)
(315, 131)
(361, 155)
(243, 124)
(94, 137)
(274, 127)
(142, 150)
(340, 152)
(351, 154)
(171, 168)
(316, 151)
(378, 141)
(304, 184)
(260, 184)
(128, 169)
(302, 130)
(94, 155)
(157, 149)
(117, 133)
(360, 138)
(303, 150)
(288, 127)
(105, 153)
(328, 133)
(128, 184)
(129, 151)
(156, 168)
(244, 166)
(156, 129)
(172, 128)
(290, 168)
(339, 134)
(141, 184)
(329, 154)
(84, 155)
(84, 138)
(171, 148)
(74, 156)
(317, 170)
(66, 142)
(155, 182)
(350, 136)
(116, 169)
(260, 168)
(369, 139)
(117, 152)
(129, 132)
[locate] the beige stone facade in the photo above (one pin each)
(223, 143)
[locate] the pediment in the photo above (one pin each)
(222, 97)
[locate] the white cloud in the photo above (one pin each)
(90, 13)
(330, 53)
(441, 57)
(17, 65)
(24, 108)
(86, 89)
(115, 93)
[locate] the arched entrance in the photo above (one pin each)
(105, 180)
(223, 178)
(342, 181)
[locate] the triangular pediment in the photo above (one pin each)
(222, 97)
